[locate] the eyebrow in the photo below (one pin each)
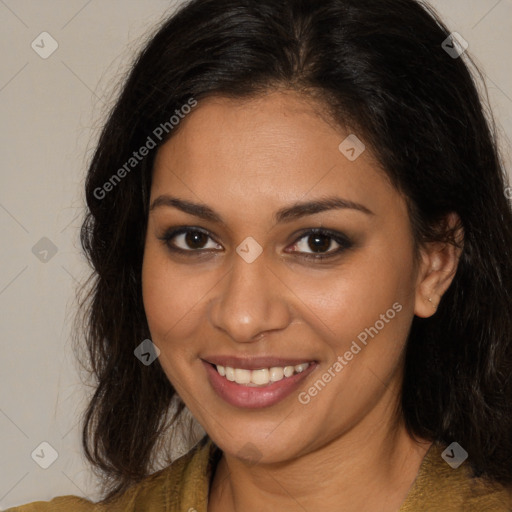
(287, 214)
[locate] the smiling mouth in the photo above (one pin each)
(261, 377)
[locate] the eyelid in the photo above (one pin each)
(173, 233)
(341, 239)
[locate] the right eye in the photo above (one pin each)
(192, 240)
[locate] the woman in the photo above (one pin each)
(299, 232)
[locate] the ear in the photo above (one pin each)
(439, 262)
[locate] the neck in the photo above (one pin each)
(376, 455)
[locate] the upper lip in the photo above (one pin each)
(254, 363)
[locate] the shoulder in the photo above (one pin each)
(438, 486)
(186, 480)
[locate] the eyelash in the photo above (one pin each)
(340, 239)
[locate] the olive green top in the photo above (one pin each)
(184, 485)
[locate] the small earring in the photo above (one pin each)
(433, 305)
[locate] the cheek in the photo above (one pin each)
(173, 296)
(156, 293)
(362, 314)
(345, 300)
(168, 302)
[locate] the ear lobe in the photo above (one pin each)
(437, 269)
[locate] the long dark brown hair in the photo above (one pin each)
(379, 67)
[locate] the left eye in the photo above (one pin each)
(319, 242)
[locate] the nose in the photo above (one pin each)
(251, 300)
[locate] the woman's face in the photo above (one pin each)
(239, 285)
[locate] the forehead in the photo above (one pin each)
(273, 149)
(280, 125)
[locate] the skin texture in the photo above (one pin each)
(246, 160)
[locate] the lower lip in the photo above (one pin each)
(255, 397)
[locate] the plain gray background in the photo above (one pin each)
(51, 110)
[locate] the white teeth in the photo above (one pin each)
(276, 374)
(242, 376)
(289, 371)
(261, 377)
